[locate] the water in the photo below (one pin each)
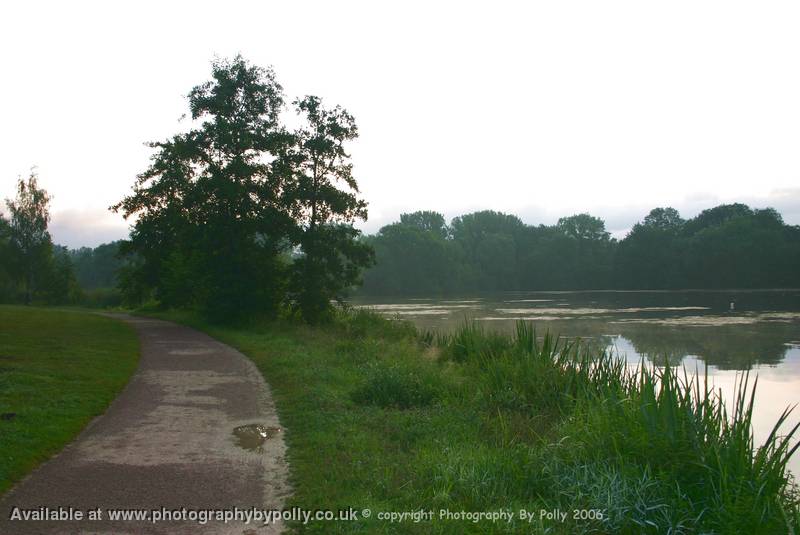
(253, 436)
(730, 331)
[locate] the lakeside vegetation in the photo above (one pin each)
(728, 246)
(58, 370)
(381, 416)
(240, 217)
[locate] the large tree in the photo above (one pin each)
(211, 225)
(239, 214)
(426, 221)
(323, 201)
(734, 246)
(61, 285)
(414, 256)
(29, 241)
(650, 255)
(489, 241)
(593, 249)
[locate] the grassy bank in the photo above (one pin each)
(58, 370)
(381, 417)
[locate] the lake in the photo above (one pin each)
(730, 331)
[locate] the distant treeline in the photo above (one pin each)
(86, 276)
(97, 267)
(35, 270)
(728, 246)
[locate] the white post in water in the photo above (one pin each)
(733, 306)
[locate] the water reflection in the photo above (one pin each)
(733, 347)
(656, 326)
(729, 331)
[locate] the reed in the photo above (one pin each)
(658, 423)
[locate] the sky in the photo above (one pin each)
(542, 109)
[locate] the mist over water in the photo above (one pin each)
(730, 332)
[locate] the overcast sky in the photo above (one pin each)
(541, 109)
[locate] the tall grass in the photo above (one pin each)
(396, 386)
(666, 453)
(480, 421)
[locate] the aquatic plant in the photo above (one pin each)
(658, 423)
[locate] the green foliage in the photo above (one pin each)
(714, 217)
(426, 221)
(331, 258)
(224, 206)
(584, 227)
(412, 259)
(31, 268)
(749, 249)
(98, 267)
(664, 219)
(729, 246)
(7, 283)
(29, 242)
(487, 251)
(60, 285)
(649, 257)
(210, 231)
(490, 244)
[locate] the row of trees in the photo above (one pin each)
(241, 214)
(729, 246)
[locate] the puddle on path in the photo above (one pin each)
(251, 437)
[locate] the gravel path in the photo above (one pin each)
(167, 442)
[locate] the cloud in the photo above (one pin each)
(787, 202)
(86, 228)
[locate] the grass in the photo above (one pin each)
(58, 370)
(379, 416)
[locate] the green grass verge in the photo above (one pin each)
(380, 417)
(58, 370)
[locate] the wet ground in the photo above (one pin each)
(253, 437)
(169, 440)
